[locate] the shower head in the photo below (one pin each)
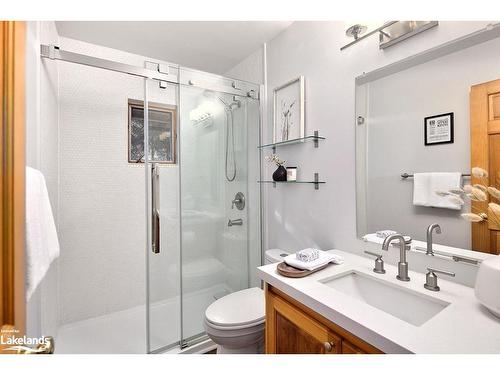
(229, 107)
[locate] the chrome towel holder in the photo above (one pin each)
(406, 175)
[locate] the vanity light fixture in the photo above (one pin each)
(390, 33)
(355, 31)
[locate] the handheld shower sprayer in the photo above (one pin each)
(228, 109)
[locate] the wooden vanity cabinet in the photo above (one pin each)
(292, 328)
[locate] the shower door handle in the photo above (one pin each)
(155, 211)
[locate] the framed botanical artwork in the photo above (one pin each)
(289, 111)
(162, 132)
(438, 129)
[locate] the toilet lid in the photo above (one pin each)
(244, 307)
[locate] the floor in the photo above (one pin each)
(124, 332)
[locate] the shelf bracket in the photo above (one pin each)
(316, 181)
(274, 184)
(316, 140)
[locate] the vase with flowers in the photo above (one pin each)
(280, 173)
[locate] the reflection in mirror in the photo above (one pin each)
(418, 121)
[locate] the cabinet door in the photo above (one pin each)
(291, 331)
(348, 348)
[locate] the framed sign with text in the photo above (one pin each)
(438, 129)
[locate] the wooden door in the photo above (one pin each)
(291, 331)
(485, 153)
(12, 188)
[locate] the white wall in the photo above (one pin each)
(299, 216)
(251, 69)
(397, 105)
(42, 149)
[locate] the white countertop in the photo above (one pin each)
(464, 326)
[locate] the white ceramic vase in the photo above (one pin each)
(487, 288)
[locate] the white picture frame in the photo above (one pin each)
(289, 111)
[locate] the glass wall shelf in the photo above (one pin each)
(316, 182)
(315, 138)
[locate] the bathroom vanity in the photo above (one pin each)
(348, 308)
(293, 328)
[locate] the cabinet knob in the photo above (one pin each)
(329, 346)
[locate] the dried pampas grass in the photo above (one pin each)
(478, 195)
(479, 172)
(473, 218)
(495, 208)
(467, 189)
(483, 188)
(495, 193)
(456, 199)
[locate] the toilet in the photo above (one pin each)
(236, 321)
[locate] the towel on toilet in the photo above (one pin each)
(425, 186)
(42, 245)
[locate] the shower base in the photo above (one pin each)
(124, 332)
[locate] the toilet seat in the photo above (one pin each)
(237, 311)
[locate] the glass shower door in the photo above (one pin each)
(163, 254)
(214, 230)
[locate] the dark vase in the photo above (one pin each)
(279, 174)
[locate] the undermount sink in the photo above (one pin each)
(400, 302)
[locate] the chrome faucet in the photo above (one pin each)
(238, 201)
(230, 223)
(430, 228)
(403, 247)
(431, 280)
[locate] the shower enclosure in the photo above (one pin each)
(151, 232)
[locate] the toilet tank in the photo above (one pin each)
(274, 256)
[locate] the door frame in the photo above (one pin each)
(12, 187)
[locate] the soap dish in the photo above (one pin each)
(289, 271)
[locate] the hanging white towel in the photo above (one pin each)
(425, 186)
(42, 245)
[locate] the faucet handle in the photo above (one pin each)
(379, 263)
(431, 278)
(408, 241)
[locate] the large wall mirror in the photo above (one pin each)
(434, 94)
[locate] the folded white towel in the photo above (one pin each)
(425, 186)
(42, 245)
(307, 255)
(372, 237)
(384, 233)
(324, 258)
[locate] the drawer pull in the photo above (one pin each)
(329, 346)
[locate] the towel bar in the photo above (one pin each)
(406, 175)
